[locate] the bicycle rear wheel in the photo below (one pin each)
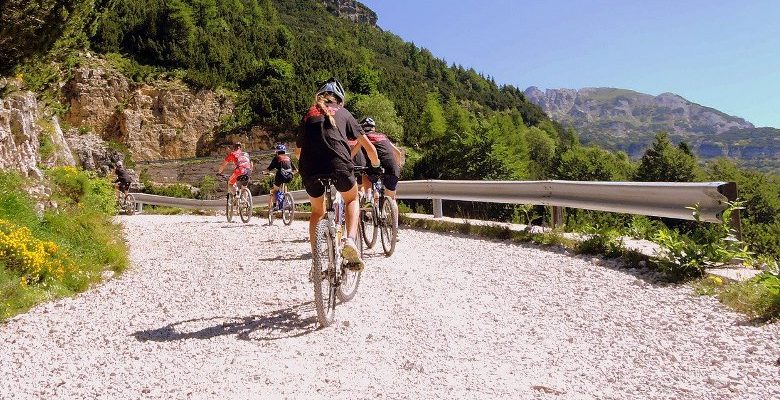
(288, 209)
(350, 279)
(368, 226)
(324, 274)
(245, 205)
(389, 226)
(229, 208)
(129, 204)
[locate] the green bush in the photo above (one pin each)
(602, 241)
(81, 228)
(687, 256)
(208, 187)
(175, 190)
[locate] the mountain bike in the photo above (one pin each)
(331, 275)
(284, 203)
(242, 201)
(380, 218)
(126, 201)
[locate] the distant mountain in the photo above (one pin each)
(627, 120)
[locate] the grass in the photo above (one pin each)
(79, 232)
(758, 297)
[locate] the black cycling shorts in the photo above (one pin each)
(124, 186)
(279, 179)
(343, 181)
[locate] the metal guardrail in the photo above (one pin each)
(299, 196)
(659, 199)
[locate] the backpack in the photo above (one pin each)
(286, 174)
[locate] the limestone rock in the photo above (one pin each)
(165, 120)
(19, 134)
(352, 10)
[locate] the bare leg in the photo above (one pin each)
(271, 198)
(317, 211)
(352, 211)
(390, 193)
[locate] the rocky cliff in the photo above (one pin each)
(627, 120)
(352, 10)
(166, 120)
(29, 138)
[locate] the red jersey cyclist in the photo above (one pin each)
(242, 163)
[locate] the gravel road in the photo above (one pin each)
(213, 310)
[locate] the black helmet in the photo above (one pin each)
(236, 145)
(333, 86)
(367, 123)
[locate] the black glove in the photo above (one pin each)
(373, 171)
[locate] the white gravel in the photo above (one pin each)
(218, 310)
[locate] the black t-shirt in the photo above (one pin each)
(386, 153)
(122, 176)
(281, 161)
(324, 147)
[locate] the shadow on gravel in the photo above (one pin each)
(288, 257)
(280, 324)
(303, 240)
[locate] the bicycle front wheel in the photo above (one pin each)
(324, 274)
(368, 226)
(245, 205)
(350, 279)
(229, 208)
(288, 209)
(389, 226)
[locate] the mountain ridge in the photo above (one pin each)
(627, 120)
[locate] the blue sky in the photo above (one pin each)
(721, 54)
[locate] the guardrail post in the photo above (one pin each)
(557, 216)
(730, 191)
(437, 208)
(139, 207)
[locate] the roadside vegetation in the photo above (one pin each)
(454, 122)
(59, 251)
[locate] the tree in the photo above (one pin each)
(458, 118)
(432, 123)
(541, 149)
(382, 110)
(664, 162)
(592, 164)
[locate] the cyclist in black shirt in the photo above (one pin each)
(390, 157)
(123, 179)
(285, 170)
(322, 149)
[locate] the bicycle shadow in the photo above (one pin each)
(286, 323)
(291, 257)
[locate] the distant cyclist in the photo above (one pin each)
(323, 150)
(390, 156)
(123, 179)
(242, 163)
(285, 170)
